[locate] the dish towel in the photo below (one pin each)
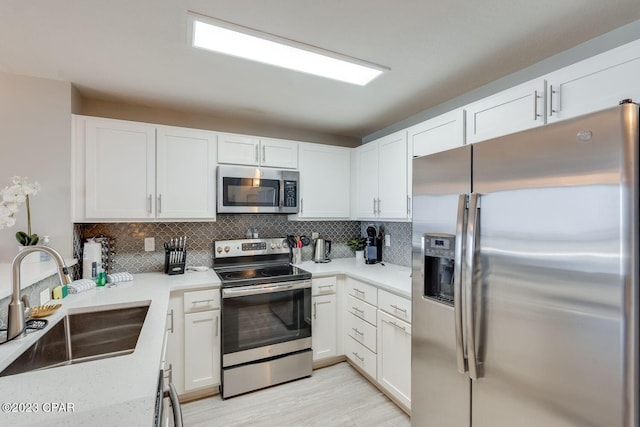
(81, 285)
(119, 277)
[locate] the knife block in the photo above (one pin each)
(174, 262)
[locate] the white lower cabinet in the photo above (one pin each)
(193, 348)
(394, 357)
(201, 349)
(324, 335)
(324, 327)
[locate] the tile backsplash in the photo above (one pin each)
(127, 239)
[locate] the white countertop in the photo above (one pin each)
(390, 277)
(115, 391)
(121, 390)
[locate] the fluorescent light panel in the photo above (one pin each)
(229, 39)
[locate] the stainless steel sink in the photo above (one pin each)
(84, 336)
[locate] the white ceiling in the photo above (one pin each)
(136, 51)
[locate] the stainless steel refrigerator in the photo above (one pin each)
(525, 278)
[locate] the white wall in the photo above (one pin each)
(35, 141)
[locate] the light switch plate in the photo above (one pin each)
(45, 296)
(149, 244)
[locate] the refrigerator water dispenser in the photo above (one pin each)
(438, 267)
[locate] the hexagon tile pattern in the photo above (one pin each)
(126, 240)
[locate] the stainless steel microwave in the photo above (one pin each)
(246, 189)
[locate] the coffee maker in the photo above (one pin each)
(373, 248)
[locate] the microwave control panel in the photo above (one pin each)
(290, 194)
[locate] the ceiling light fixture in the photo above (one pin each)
(230, 39)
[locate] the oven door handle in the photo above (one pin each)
(264, 289)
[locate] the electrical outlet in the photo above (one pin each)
(45, 296)
(149, 244)
(314, 235)
(387, 239)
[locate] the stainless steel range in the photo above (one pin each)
(266, 315)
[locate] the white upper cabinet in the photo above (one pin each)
(254, 151)
(381, 188)
(279, 153)
(512, 110)
(120, 169)
(238, 149)
(137, 171)
(186, 173)
(594, 84)
(325, 174)
(440, 133)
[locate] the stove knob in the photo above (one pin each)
(273, 246)
(227, 248)
(219, 249)
(279, 245)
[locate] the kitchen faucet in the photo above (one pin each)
(15, 319)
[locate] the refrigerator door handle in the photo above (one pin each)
(457, 282)
(472, 232)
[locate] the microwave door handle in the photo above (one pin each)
(457, 282)
(471, 281)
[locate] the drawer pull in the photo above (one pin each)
(206, 301)
(325, 286)
(358, 357)
(358, 310)
(358, 332)
(398, 326)
(358, 291)
(404, 310)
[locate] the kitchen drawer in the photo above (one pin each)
(361, 309)
(208, 299)
(361, 331)
(394, 305)
(361, 356)
(324, 285)
(362, 291)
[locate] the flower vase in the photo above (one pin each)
(32, 258)
(359, 257)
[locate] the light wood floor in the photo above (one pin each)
(333, 396)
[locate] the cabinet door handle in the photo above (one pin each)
(551, 109)
(149, 207)
(358, 357)
(535, 105)
(404, 310)
(171, 315)
(216, 326)
(409, 205)
(264, 154)
(374, 205)
(379, 208)
(314, 310)
(257, 159)
(159, 203)
(301, 205)
(394, 324)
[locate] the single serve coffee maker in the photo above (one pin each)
(373, 248)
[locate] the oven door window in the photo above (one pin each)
(250, 192)
(259, 320)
